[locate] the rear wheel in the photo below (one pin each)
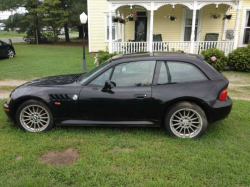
(11, 53)
(34, 116)
(186, 120)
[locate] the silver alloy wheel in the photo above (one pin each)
(186, 123)
(10, 53)
(34, 118)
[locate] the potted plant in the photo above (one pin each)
(228, 17)
(173, 18)
(122, 21)
(132, 16)
(116, 19)
(215, 15)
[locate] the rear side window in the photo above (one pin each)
(178, 72)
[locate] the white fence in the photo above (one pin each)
(165, 46)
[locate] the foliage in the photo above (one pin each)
(66, 13)
(116, 19)
(176, 50)
(220, 61)
(132, 15)
(54, 15)
(103, 56)
(14, 22)
(239, 59)
(215, 15)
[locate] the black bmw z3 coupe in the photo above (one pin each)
(177, 90)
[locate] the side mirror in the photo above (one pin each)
(108, 85)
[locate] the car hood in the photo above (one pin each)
(54, 80)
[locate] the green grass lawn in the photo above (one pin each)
(11, 34)
(130, 157)
(34, 61)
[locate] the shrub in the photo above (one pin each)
(103, 56)
(239, 59)
(216, 58)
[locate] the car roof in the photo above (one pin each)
(180, 55)
(197, 60)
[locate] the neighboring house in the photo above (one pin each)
(2, 26)
(193, 31)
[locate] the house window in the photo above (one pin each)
(114, 29)
(188, 25)
(246, 27)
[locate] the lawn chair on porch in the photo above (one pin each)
(159, 46)
(209, 43)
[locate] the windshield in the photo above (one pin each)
(85, 77)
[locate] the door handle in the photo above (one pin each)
(140, 96)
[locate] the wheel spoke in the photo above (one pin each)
(176, 124)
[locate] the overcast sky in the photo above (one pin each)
(6, 14)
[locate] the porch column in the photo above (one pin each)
(123, 30)
(224, 25)
(193, 28)
(237, 24)
(110, 29)
(151, 28)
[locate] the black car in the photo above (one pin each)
(179, 91)
(7, 50)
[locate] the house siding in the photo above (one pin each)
(97, 9)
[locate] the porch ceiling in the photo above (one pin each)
(191, 4)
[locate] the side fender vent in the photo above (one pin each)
(59, 97)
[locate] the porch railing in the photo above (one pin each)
(171, 46)
(130, 47)
(226, 46)
(165, 46)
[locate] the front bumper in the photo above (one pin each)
(220, 110)
(8, 112)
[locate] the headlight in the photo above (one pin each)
(9, 99)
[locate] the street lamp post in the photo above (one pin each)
(83, 19)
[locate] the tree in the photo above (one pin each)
(77, 7)
(54, 15)
(15, 22)
(74, 9)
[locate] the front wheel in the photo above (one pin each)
(34, 116)
(11, 53)
(186, 120)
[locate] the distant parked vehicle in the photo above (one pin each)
(7, 50)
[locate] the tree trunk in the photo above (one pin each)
(66, 30)
(80, 32)
(54, 35)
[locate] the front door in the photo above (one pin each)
(129, 101)
(141, 29)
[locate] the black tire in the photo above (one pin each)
(38, 109)
(176, 124)
(11, 53)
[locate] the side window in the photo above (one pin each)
(134, 74)
(1, 43)
(164, 77)
(100, 80)
(184, 72)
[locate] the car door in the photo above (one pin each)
(129, 100)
